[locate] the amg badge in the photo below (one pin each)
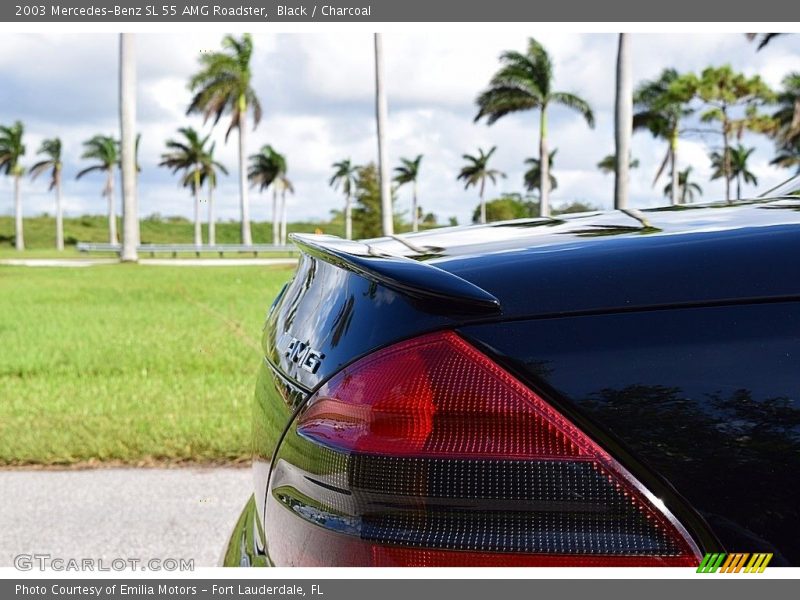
(301, 353)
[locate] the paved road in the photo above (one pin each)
(121, 513)
(160, 262)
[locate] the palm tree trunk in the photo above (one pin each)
(726, 155)
(483, 204)
(381, 112)
(59, 216)
(348, 217)
(739, 187)
(198, 232)
(247, 238)
(127, 119)
(19, 234)
(673, 157)
(112, 214)
(276, 219)
(544, 166)
(623, 122)
(414, 210)
(212, 226)
(283, 217)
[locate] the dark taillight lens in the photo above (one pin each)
(429, 453)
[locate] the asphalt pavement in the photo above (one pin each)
(180, 513)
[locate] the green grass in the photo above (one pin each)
(130, 363)
(69, 252)
(40, 233)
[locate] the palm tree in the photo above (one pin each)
(188, 155)
(209, 176)
(51, 148)
(738, 156)
(533, 176)
(129, 147)
(11, 151)
(105, 150)
(408, 172)
(739, 170)
(381, 116)
(609, 163)
(285, 185)
(687, 187)
(265, 168)
(345, 174)
(787, 122)
(660, 105)
(623, 121)
(268, 168)
(525, 82)
(223, 86)
(477, 171)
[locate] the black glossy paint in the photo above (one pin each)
(592, 305)
(412, 278)
(342, 315)
(588, 263)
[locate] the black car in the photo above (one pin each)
(615, 388)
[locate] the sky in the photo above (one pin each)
(317, 92)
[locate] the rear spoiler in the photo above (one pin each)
(419, 280)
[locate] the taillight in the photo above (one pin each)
(429, 453)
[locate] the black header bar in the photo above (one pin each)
(248, 11)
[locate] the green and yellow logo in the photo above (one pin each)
(737, 562)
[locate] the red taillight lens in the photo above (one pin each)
(429, 453)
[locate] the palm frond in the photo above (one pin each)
(88, 170)
(12, 148)
(575, 103)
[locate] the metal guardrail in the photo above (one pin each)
(176, 249)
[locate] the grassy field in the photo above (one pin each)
(40, 233)
(129, 363)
